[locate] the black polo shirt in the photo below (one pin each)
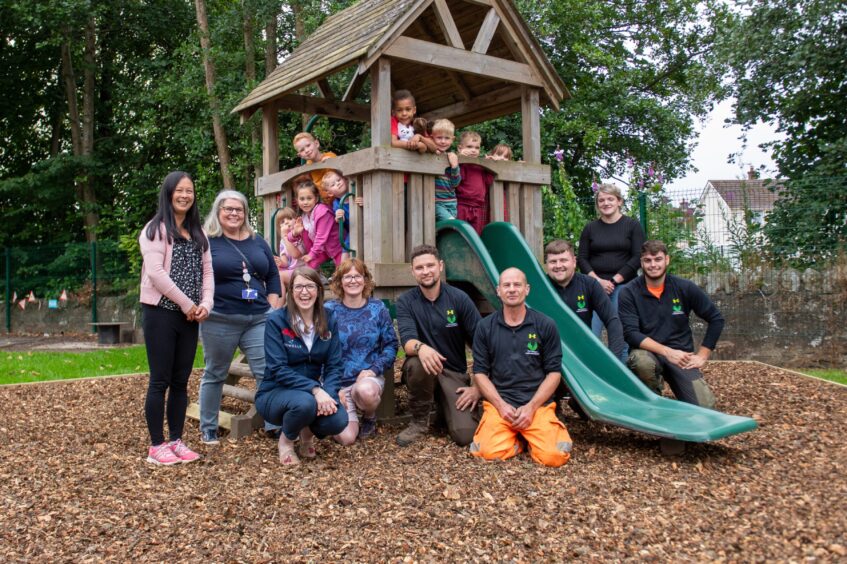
(666, 320)
(446, 324)
(517, 359)
(584, 296)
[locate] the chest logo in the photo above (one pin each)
(532, 344)
(580, 301)
(676, 306)
(451, 318)
(289, 333)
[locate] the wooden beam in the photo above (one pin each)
(351, 111)
(449, 58)
(493, 98)
(486, 32)
(325, 89)
(448, 26)
(355, 85)
(531, 121)
(454, 77)
(496, 196)
(387, 273)
(270, 160)
(381, 103)
(480, 2)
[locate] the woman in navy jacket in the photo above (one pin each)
(302, 369)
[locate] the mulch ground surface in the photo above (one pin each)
(74, 487)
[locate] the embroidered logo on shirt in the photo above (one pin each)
(289, 333)
(532, 344)
(451, 318)
(677, 307)
(580, 304)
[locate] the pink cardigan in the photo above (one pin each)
(326, 243)
(155, 274)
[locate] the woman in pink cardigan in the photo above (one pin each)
(177, 291)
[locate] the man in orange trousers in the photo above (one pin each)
(517, 359)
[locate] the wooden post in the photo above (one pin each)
(270, 163)
(531, 207)
(496, 196)
(379, 235)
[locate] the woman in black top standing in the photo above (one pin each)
(610, 248)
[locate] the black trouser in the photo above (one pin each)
(171, 342)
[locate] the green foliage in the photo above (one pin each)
(564, 217)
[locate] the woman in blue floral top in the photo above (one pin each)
(369, 346)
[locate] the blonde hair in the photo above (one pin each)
(303, 135)
(503, 149)
(443, 126)
(285, 213)
(329, 172)
(469, 136)
(607, 188)
(213, 224)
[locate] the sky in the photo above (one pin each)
(713, 147)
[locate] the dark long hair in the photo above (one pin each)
(319, 316)
(165, 214)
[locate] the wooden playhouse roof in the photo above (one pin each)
(465, 59)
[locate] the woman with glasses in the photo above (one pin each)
(368, 345)
(246, 287)
(304, 367)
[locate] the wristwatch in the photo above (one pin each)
(417, 347)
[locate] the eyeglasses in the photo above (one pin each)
(352, 278)
(237, 211)
(299, 288)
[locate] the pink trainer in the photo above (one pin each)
(182, 452)
(162, 455)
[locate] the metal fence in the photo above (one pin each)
(48, 275)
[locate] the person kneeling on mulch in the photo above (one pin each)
(517, 355)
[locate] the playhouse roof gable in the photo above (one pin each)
(476, 50)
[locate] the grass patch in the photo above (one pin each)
(832, 374)
(36, 366)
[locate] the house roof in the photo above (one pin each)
(364, 32)
(755, 193)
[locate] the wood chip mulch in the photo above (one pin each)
(74, 487)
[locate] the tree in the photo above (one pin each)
(788, 59)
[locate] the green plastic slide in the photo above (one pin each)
(603, 386)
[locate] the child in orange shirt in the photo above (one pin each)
(309, 149)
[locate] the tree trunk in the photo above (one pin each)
(82, 125)
(299, 35)
(214, 103)
(250, 74)
(270, 45)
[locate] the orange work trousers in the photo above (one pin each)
(548, 439)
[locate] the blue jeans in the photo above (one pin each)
(221, 334)
(597, 323)
(295, 410)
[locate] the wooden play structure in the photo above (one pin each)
(465, 60)
(468, 61)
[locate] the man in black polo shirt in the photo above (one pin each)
(517, 360)
(655, 310)
(582, 294)
(436, 321)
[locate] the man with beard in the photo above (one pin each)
(581, 293)
(517, 359)
(655, 310)
(435, 322)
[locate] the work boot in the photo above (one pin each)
(416, 430)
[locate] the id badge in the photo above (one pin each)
(249, 294)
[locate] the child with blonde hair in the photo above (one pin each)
(472, 192)
(445, 186)
(309, 149)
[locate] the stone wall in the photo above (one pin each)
(787, 318)
(73, 318)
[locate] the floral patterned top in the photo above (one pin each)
(186, 272)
